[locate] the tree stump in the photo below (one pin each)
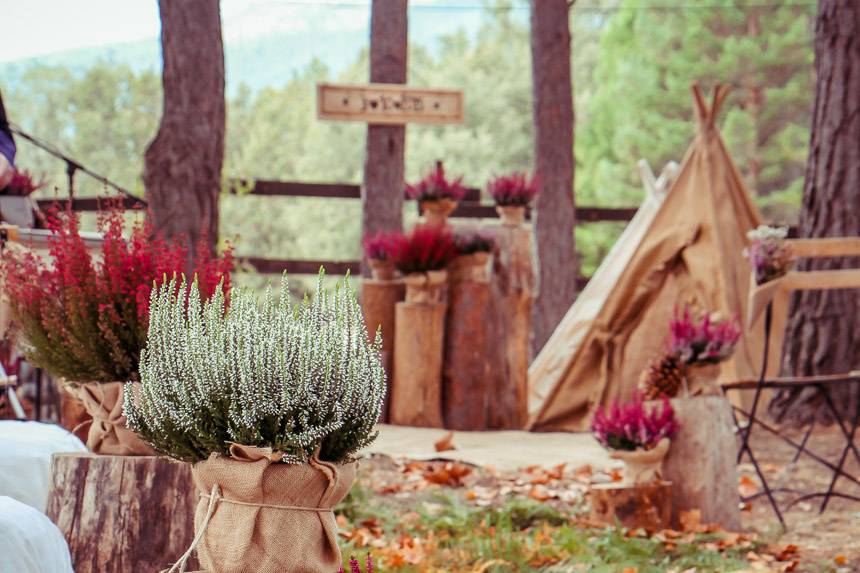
(514, 279)
(378, 301)
(416, 389)
(122, 513)
(702, 462)
(474, 369)
(647, 506)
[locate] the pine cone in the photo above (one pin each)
(663, 378)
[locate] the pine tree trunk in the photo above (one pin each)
(823, 332)
(382, 192)
(554, 214)
(182, 165)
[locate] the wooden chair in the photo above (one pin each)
(773, 299)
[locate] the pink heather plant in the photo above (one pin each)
(515, 189)
(436, 186)
(771, 257)
(381, 246)
(633, 426)
(354, 566)
(470, 240)
(707, 340)
(22, 184)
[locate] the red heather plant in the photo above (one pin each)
(707, 340)
(85, 317)
(512, 190)
(426, 248)
(436, 186)
(470, 241)
(354, 566)
(380, 246)
(22, 184)
(633, 425)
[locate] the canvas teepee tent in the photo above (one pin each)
(690, 252)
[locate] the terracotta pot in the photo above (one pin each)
(702, 379)
(426, 287)
(642, 466)
(382, 270)
(512, 215)
(473, 267)
(436, 212)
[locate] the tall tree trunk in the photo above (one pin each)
(182, 165)
(823, 332)
(382, 192)
(554, 214)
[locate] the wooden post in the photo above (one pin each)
(416, 390)
(514, 279)
(701, 461)
(122, 513)
(474, 371)
(648, 506)
(378, 301)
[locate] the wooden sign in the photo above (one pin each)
(389, 104)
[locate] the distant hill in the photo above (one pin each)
(265, 60)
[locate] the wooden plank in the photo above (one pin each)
(391, 104)
(300, 266)
(89, 203)
(826, 247)
(822, 280)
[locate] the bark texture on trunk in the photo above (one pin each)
(182, 165)
(382, 191)
(823, 331)
(554, 213)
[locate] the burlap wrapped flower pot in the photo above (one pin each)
(258, 514)
(108, 433)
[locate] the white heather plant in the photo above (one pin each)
(292, 377)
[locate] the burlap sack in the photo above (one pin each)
(108, 434)
(268, 517)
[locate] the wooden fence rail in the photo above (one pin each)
(470, 208)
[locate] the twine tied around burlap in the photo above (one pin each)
(108, 433)
(250, 502)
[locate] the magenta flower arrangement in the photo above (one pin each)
(381, 246)
(426, 248)
(771, 257)
(469, 241)
(355, 567)
(634, 426)
(515, 190)
(436, 186)
(22, 184)
(705, 340)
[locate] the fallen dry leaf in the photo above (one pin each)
(445, 443)
(747, 486)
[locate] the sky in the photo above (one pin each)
(33, 28)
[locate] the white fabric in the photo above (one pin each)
(29, 542)
(25, 458)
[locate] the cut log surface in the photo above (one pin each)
(648, 506)
(122, 513)
(378, 301)
(416, 390)
(515, 281)
(474, 372)
(701, 462)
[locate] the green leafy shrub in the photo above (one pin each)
(290, 377)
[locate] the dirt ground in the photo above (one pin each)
(829, 537)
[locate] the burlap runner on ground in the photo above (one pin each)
(108, 434)
(268, 517)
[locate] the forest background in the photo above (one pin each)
(632, 60)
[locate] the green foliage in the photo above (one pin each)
(294, 378)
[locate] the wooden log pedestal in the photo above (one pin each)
(122, 513)
(701, 462)
(378, 301)
(416, 388)
(515, 282)
(647, 506)
(474, 371)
